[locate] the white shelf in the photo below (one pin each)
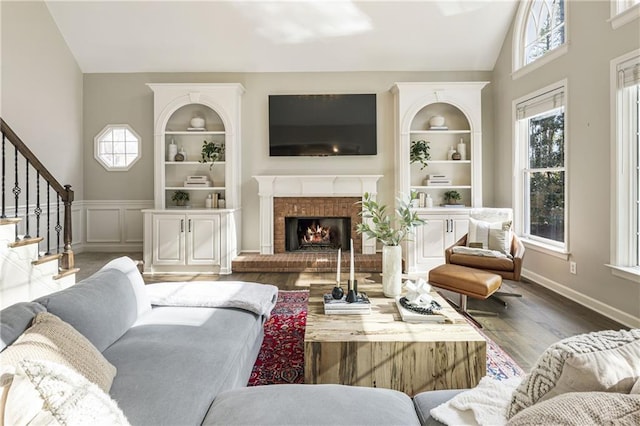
(448, 161)
(195, 132)
(441, 132)
(192, 163)
(425, 187)
(196, 188)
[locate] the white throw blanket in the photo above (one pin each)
(253, 297)
(486, 404)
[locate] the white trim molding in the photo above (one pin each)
(620, 16)
(310, 186)
(609, 311)
(112, 225)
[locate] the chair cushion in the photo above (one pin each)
(492, 235)
(468, 281)
(482, 262)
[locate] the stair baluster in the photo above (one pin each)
(26, 202)
(4, 172)
(37, 211)
(16, 188)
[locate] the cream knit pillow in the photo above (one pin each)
(51, 339)
(44, 392)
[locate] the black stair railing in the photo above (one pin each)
(63, 194)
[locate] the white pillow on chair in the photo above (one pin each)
(492, 235)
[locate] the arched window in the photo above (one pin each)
(539, 30)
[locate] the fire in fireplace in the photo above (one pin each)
(316, 233)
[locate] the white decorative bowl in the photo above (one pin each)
(197, 122)
(436, 121)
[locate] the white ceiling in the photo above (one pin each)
(283, 36)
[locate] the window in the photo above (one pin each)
(117, 147)
(625, 223)
(624, 11)
(541, 167)
(540, 29)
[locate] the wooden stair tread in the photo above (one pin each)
(10, 220)
(25, 242)
(47, 258)
(65, 272)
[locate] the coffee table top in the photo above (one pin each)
(383, 324)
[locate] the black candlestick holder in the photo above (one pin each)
(352, 294)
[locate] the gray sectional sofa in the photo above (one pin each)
(181, 365)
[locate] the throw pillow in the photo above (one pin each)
(492, 235)
(44, 392)
(603, 361)
(582, 408)
(51, 339)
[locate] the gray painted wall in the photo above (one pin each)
(124, 98)
(592, 45)
(42, 90)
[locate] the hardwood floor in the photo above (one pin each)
(524, 329)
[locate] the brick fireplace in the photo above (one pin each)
(314, 207)
(311, 195)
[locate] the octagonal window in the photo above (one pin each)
(117, 147)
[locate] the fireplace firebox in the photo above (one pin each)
(317, 233)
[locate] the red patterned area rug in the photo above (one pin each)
(281, 357)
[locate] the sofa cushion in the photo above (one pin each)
(15, 319)
(604, 361)
(183, 357)
(311, 405)
(582, 408)
(102, 307)
(425, 401)
(51, 339)
(44, 392)
(127, 266)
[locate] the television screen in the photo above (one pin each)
(322, 125)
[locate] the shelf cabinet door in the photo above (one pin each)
(203, 240)
(433, 238)
(169, 239)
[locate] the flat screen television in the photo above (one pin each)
(322, 125)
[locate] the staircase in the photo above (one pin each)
(30, 216)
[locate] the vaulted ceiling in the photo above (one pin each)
(283, 36)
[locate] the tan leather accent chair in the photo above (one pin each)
(508, 269)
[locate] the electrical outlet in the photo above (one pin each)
(573, 268)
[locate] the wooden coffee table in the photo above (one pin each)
(380, 350)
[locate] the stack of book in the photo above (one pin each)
(435, 180)
(197, 182)
(361, 306)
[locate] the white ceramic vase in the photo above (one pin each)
(391, 270)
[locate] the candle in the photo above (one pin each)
(351, 264)
(338, 271)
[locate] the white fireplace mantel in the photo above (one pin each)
(310, 186)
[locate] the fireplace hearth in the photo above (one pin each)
(317, 233)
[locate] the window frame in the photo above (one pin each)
(96, 147)
(624, 157)
(519, 68)
(622, 14)
(520, 161)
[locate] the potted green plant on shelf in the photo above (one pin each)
(390, 230)
(419, 153)
(452, 197)
(180, 197)
(211, 152)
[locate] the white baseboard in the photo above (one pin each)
(589, 302)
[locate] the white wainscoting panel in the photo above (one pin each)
(114, 225)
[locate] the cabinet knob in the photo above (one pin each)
(181, 225)
(189, 225)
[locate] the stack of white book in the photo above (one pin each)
(197, 182)
(435, 180)
(341, 307)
